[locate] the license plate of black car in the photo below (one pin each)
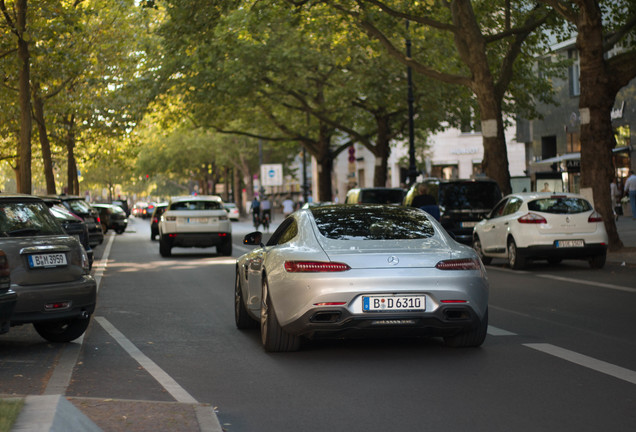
(47, 260)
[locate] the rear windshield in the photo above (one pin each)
(560, 205)
(381, 196)
(27, 219)
(79, 206)
(196, 205)
(369, 222)
(469, 195)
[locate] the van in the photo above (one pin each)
(375, 195)
(462, 203)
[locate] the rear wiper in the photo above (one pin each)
(24, 231)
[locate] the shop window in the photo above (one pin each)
(574, 142)
(548, 147)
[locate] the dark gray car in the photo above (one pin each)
(8, 297)
(49, 270)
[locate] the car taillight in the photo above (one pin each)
(595, 217)
(532, 218)
(459, 264)
(314, 267)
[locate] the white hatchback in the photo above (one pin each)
(527, 226)
(195, 221)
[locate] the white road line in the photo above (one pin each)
(585, 361)
(586, 282)
(177, 392)
(495, 331)
(100, 267)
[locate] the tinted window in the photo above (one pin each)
(285, 232)
(469, 195)
(27, 219)
(381, 196)
(78, 206)
(513, 205)
(196, 205)
(560, 205)
(369, 222)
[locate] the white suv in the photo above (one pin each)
(195, 221)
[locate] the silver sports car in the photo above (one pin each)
(358, 270)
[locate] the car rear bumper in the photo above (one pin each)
(198, 239)
(340, 322)
(34, 301)
(551, 251)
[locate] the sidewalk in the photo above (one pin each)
(53, 413)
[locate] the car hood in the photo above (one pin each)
(388, 253)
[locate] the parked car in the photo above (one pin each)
(232, 211)
(8, 297)
(154, 219)
(462, 203)
(112, 217)
(80, 207)
(195, 221)
(375, 195)
(527, 226)
(124, 205)
(49, 270)
(345, 270)
(72, 224)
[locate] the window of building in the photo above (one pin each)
(574, 142)
(574, 72)
(548, 146)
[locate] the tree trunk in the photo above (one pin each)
(71, 169)
(595, 106)
(382, 152)
(24, 151)
(38, 109)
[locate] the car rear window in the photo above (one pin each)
(27, 219)
(196, 205)
(469, 195)
(381, 196)
(79, 206)
(560, 205)
(369, 222)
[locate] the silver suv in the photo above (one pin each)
(195, 221)
(49, 270)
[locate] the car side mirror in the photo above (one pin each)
(253, 239)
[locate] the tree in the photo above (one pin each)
(472, 44)
(601, 26)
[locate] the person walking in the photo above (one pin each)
(615, 196)
(288, 206)
(630, 190)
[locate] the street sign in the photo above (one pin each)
(272, 175)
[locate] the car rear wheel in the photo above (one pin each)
(516, 260)
(598, 261)
(472, 338)
(273, 337)
(477, 246)
(62, 331)
(241, 317)
(164, 248)
(120, 230)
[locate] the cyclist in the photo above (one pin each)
(266, 212)
(256, 211)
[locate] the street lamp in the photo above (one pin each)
(409, 75)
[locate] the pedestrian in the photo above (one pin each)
(615, 195)
(630, 190)
(425, 201)
(288, 206)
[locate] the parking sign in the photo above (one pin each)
(272, 175)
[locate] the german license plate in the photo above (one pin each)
(570, 243)
(197, 220)
(393, 303)
(468, 224)
(47, 260)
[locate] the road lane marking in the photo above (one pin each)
(177, 392)
(495, 331)
(586, 282)
(100, 267)
(585, 361)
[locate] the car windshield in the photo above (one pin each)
(560, 205)
(469, 195)
(196, 205)
(371, 222)
(381, 196)
(27, 219)
(79, 206)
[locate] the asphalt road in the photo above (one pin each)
(560, 355)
